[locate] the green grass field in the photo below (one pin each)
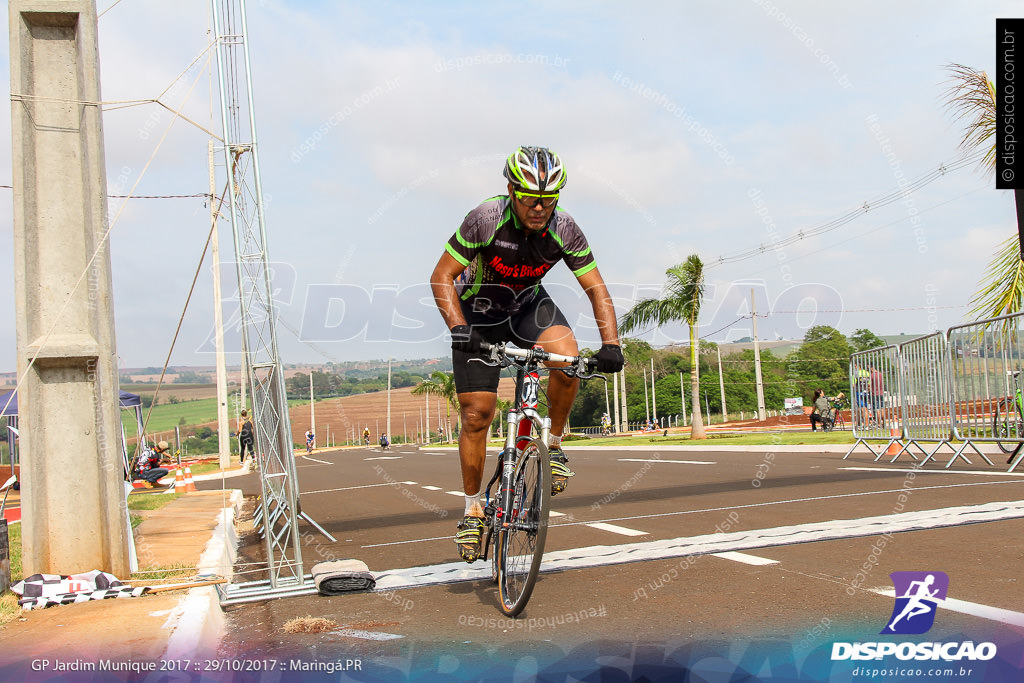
(167, 416)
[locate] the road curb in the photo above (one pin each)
(197, 622)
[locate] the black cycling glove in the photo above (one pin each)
(609, 358)
(465, 339)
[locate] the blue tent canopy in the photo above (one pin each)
(127, 400)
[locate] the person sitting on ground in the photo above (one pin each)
(148, 469)
(819, 410)
(310, 440)
(384, 443)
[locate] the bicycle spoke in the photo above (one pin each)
(525, 529)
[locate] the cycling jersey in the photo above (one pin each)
(505, 263)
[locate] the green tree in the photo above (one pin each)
(864, 339)
(823, 359)
(971, 97)
(683, 295)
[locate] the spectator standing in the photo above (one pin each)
(245, 436)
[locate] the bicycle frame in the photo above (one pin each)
(521, 417)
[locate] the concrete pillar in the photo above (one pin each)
(73, 495)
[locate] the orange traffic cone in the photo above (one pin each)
(179, 480)
(895, 447)
(190, 485)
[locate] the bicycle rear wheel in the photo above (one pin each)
(1005, 425)
(521, 536)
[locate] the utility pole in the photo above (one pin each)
(647, 401)
(757, 361)
(223, 429)
(66, 351)
(312, 403)
(625, 408)
(654, 398)
(387, 423)
(682, 397)
(615, 392)
(721, 384)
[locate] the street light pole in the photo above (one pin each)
(757, 362)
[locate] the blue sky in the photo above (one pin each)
(686, 127)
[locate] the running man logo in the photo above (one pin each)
(917, 595)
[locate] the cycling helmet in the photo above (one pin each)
(523, 169)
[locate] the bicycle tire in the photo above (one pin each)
(520, 545)
(1001, 426)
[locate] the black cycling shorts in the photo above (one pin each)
(522, 329)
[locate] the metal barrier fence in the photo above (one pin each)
(875, 395)
(964, 384)
(926, 395)
(985, 366)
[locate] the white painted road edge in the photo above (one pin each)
(603, 555)
(197, 621)
(972, 608)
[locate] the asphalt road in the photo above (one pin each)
(793, 554)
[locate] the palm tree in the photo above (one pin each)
(501, 409)
(441, 384)
(972, 96)
(683, 293)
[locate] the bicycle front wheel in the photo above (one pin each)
(1005, 426)
(524, 529)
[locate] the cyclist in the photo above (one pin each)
(487, 288)
(366, 435)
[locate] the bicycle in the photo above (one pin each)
(1008, 419)
(516, 519)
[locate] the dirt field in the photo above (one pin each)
(337, 417)
(370, 410)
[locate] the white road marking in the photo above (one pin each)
(460, 494)
(679, 462)
(322, 462)
(365, 635)
(920, 471)
(745, 558)
(718, 542)
(725, 509)
(553, 513)
(344, 488)
(410, 483)
(794, 500)
(385, 457)
(617, 529)
(432, 488)
(972, 608)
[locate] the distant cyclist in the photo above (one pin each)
(487, 288)
(366, 436)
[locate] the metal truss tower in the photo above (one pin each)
(279, 505)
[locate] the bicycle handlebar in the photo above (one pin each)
(579, 365)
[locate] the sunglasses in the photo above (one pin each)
(531, 199)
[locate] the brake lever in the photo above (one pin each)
(491, 362)
(593, 375)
